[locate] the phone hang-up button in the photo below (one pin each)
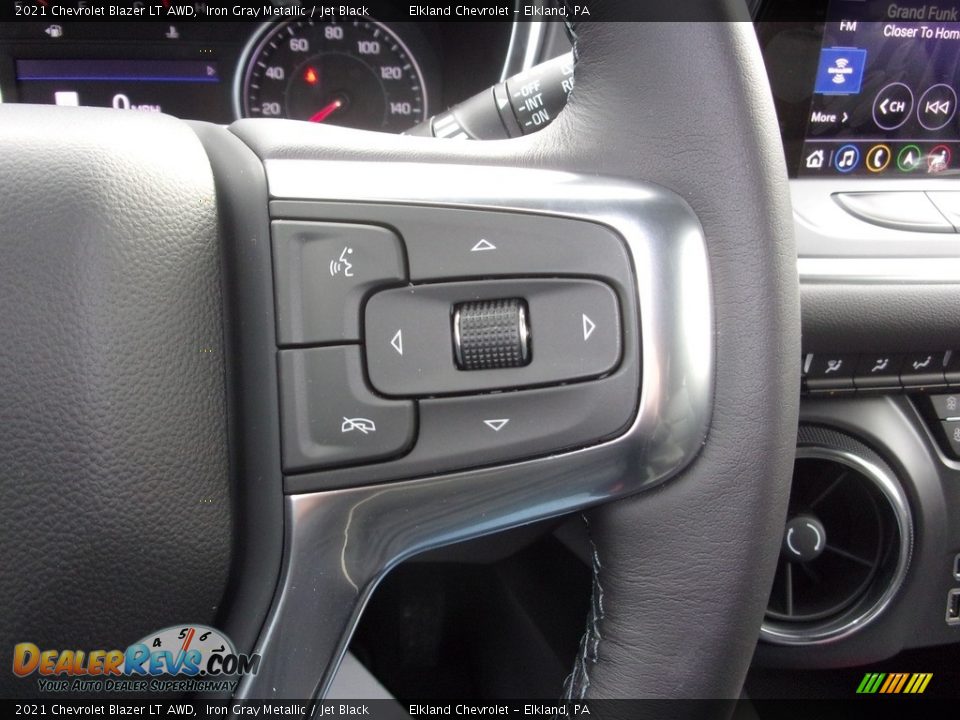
(330, 418)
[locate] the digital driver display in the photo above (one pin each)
(177, 87)
(885, 92)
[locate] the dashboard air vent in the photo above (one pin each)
(846, 544)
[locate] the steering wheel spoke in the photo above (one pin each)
(651, 253)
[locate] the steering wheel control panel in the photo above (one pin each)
(415, 339)
(510, 334)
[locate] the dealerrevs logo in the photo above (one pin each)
(190, 651)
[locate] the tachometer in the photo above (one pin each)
(355, 73)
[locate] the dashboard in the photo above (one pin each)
(353, 72)
(866, 96)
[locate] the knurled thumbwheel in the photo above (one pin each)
(490, 334)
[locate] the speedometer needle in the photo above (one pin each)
(326, 111)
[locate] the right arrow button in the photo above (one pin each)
(588, 327)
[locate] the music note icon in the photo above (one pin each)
(847, 158)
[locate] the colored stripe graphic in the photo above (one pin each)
(894, 683)
(918, 683)
(892, 679)
(903, 680)
(870, 683)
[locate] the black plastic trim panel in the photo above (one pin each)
(879, 318)
(253, 406)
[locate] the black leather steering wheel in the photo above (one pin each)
(142, 480)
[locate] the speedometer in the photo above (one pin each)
(354, 73)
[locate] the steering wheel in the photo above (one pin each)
(151, 475)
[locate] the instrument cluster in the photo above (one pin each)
(353, 72)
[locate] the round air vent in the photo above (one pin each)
(846, 544)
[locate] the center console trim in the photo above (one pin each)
(837, 248)
(879, 271)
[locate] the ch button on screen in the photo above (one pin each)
(892, 106)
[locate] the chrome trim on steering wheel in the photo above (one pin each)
(340, 543)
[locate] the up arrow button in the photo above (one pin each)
(483, 245)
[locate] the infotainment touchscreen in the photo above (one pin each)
(885, 92)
